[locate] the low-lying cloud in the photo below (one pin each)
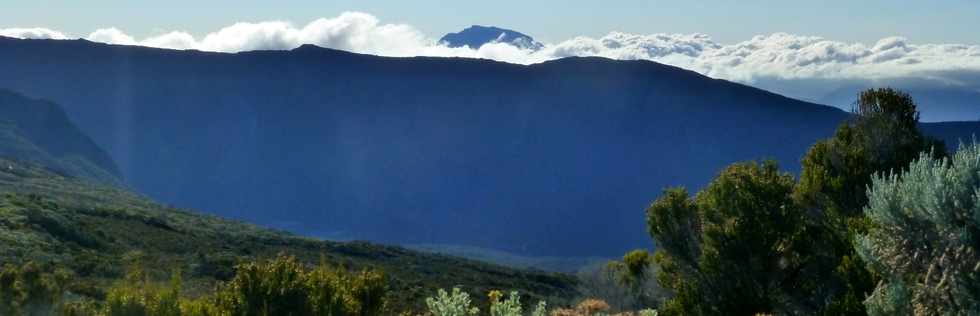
(779, 55)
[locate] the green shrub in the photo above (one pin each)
(456, 304)
(281, 286)
(509, 307)
(30, 290)
(730, 250)
(924, 237)
(284, 287)
(137, 296)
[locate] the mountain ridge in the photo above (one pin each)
(557, 158)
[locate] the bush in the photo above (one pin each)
(455, 304)
(137, 296)
(731, 249)
(283, 287)
(459, 304)
(509, 307)
(924, 237)
(30, 290)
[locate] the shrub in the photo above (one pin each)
(284, 287)
(30, 290)
(509, 307)
(455, 304)
(281, 286)
(137, 296)
(924, 237)
(731, 250)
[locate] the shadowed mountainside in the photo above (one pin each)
(40, 132)
(93, 230)
(558, 158)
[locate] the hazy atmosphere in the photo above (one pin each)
(506, 158)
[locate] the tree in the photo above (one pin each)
(632, 273)
(882, 136)
(730, 250)
(925, 237)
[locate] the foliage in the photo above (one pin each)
(604, 282)
(138, 296)
(455, 304)
(883, 136)
(509, 307)
(284, 287)
(925, 237)
(30, 290)
(635, 264)
(633, 273)
(731, 249)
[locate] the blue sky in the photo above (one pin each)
(936, 21)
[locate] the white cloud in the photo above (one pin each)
(32, 33)
(779, 55)
(111, 36)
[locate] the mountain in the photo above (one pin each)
(39, 131)
(92, 229)
(476, 35)
(551, 159)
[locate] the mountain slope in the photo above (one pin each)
(92, 229)
(477, 35)
(558, 158)
(39, 131)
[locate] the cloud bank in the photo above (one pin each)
(779, 55)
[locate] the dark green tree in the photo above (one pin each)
(882, 136)
(731, 249)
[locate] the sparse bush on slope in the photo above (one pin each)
(281, 286)
(925, 237)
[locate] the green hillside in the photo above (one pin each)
(92, 229)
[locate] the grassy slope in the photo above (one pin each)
(557, 264)
(91, 229)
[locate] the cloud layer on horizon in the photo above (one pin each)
(778, 55)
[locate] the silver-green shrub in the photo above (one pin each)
(457, 304)
(509, 307)
(541, 309)
(925, 236)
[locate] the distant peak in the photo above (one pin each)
(478, 35)
(308, 47)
